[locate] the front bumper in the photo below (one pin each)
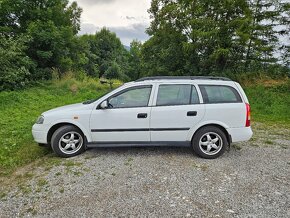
(39, 132)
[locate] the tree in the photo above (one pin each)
(113, 72)
(215, 36)
(15, 65)
(163, 53)
(83, 58)
(101, 50)
(209, 27)
(262, 37)
(284, 32)
(107, 47)
(51, 26)
(135, 61)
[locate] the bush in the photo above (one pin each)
(15, 66)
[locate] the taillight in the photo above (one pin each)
(248, 117)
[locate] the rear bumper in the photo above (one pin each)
(240, 134)
(39, 133)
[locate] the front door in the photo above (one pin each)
(126, 119)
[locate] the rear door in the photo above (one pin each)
(175, 110)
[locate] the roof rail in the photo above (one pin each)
(183, 78)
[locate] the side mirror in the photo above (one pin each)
(104, 104)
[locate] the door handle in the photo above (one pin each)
(191, 113)
(142, 115)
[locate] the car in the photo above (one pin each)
(205, 113)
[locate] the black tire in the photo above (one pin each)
(65, 131)
(215, 133)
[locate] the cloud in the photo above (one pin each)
(95, 2)
(127, 18)
(126, 34)
(130, 18)
(114, 12)
(134, 31)
(88, 28)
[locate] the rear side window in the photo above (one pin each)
(176, 95)
(219, 94)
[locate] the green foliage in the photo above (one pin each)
(15, 66)
(109, 50)
(135, 60)
(19, 109)
(113, 71)
(194, 37)
(50, 27)
(270, 104)
(163, 53)
(188, 37)
(103, 55)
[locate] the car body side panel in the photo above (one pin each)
(231, 114)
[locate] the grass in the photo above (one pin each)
(61, 190)
(129, 161)
(2, 195)
(236, 146)
(269, 142)
(42, 182)
(19, 110)
(203, 167)
(70, 163)
(270, 104)
(32, 210)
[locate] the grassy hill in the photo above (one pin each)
(19, 110)
(270, 102)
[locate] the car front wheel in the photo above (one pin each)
(68, 141)
(209, 142)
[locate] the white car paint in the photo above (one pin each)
(88, 117)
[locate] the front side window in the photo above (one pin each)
(176, 95)
(133, 97)
(219, 94)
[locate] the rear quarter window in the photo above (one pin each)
(219, 94)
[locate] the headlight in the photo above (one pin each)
(40, 120)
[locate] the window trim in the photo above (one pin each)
(205, 96)
(172, 84)
(125, 90)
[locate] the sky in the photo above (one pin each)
(127, 18)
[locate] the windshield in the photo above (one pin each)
(93, 100)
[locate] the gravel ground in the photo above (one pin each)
(250, 180)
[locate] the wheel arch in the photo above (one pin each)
(56, 126)
(218, 125)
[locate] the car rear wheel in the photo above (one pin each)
(209, 142)
(68, 141)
